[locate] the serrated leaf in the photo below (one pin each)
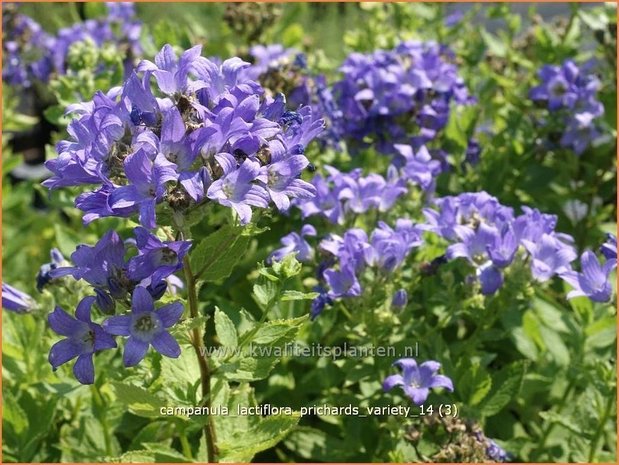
(298, 295)
(138, 400)
(243, 445)
(269, 333)
(505, 387)
(226, 332)
(216, 255)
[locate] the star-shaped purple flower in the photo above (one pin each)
(236, 187)
(417, 380)
(146, 326)
(156, 259)
(83, 339)
(592, 281)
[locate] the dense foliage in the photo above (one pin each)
(375, 232)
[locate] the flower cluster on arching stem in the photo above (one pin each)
(180, 133)
(125, 276)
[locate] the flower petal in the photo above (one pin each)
(170, 314)
(392, 381)
(166, 345)
(142, 301)
(65, 325)
(84, 369)
(135, 350)
(63, 351)
(117, 325)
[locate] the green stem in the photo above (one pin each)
(205, 371)
(600, 430)
(185, 446)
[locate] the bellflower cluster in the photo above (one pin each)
(31, 53)
(206, 135)
(571, 92)
(296, 243)
(24, 47)
(15, 300)
(491, 237)
(397, 96)
(593, 280)
(281, 70)
(136, 282)
(341, 194)
(417, 380)
(348, 256)
(114, 278)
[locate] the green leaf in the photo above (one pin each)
(138, 400)
(266, 292)
(278, 331)
(505, 387)
(293, 35)
(95, 10)
(226, 331)
(14, 418)
(460, 126)
(241, 446)
(216, 255)
(298, 295)
(476, 384)
(602, 333)
(495, 46)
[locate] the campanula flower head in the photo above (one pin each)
(83, 339)
(156, 259)
(281, 70)
(340, 194)
(146, 326)
(15, 300)
(296, 243)
(570, 92)
(592, 281)
(106, 268)
(496, 452)
(347, 257)
(490, 237)
(31, 54)
(397, 96)
(183, 131)
(417, 380)
(24, 50)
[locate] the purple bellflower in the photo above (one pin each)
(146, 326)
(417, 380)
(15, 300)
(592, 281)
(295, 243)
(83, 339)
